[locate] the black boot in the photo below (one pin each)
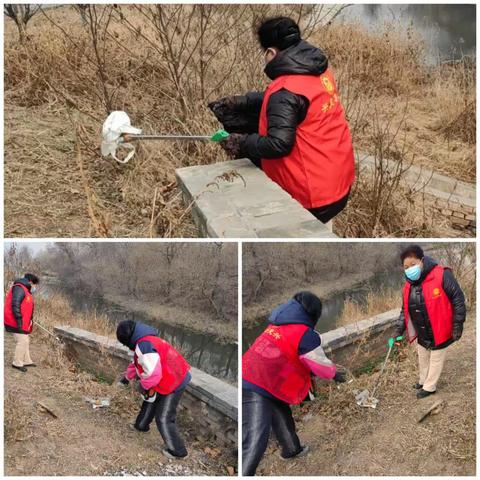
(305, 449)
(418, 386)
(424, 393)
(22, 369)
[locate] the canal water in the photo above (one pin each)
(204, 351)
(334, 304)
(448, 30)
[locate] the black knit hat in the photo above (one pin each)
(278, 32)
(310, 303)
(125, 331)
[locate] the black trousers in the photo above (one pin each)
(327, 212)
(260, 415)
(164, 410)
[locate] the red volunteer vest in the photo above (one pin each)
(273, 364)
(174, 366)
(438, 307)
(26, 309)
(320, 169)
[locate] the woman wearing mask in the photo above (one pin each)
(433, 313)
(296, 130)
(18, 318)
(276, 373)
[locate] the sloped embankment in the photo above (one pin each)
(347, 440)
(83, 441)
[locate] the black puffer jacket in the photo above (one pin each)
(18, 295)
(418, 312)
(285, 110)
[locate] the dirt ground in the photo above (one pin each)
(83, 441)
(347, 440)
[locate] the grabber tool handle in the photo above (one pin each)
(219, 135)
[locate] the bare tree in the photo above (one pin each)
(21, 15)
(82, 9)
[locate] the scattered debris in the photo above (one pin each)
(103, 402)
(364, 399)
(367, 399)
(229, 177)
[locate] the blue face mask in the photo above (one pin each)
(33, 290)
(413, 273)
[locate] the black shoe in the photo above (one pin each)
(418, 386)
(424, 393)
(169, 454)
(22, 369)
(305, 449)
(30, 365)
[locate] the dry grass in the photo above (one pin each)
(66, 78)
(388, 440)
(16, 422)
(56, 310)
(376, 302)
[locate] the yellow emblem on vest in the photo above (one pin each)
(273, 332)
(436, 292)
(28, 298)
(328, 85)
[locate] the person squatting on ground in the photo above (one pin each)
(18, 318)
(163, 375)
(276, 373)
(295, 131)
(433, 313)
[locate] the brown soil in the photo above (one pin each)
(83, 441)
(347, 440)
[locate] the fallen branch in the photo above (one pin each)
(433, 410)
(47, 409)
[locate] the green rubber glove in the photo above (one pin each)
(394, 341)
(219, 135)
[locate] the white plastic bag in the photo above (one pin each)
(117, 124)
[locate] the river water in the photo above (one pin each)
(203, 351)
(333, 305)
(448, 30)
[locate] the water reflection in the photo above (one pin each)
(449, 30)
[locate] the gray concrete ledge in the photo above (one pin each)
(357, 344)
(248, 205)
(342, 336)
(433, 183)
(217, 394)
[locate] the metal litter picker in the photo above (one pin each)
(118, 132)
(367, 399)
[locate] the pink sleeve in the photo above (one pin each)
(318, 363)
(131, 372)
(152, 370)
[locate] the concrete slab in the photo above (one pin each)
(433, 183)
(349, 334)
(236, 199)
